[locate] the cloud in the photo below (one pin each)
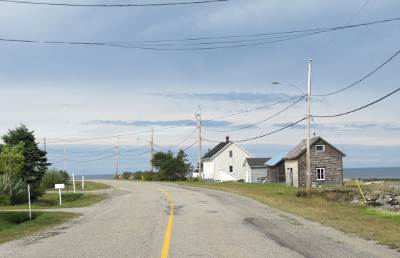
(350, 126)
(147, 123)
(233, 96)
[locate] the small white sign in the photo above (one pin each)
(59, 186)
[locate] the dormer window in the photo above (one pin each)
(230, 154)
(320, 148)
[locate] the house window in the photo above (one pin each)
(230, 154)
(320, 173)
(230, 168)
(320, 148)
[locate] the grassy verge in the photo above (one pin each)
(51, 200)
(89, 186)
(370, 224)
(15, 225)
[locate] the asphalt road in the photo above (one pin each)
(201, 223)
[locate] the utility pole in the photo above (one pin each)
(152, 149)
(65, 158)
(309, 181)
(198, 118)
(117, 158)
(44, 144)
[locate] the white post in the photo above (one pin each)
(73, 181)
(59, 193)
(198, 118)
(29, 202)
(309, 181)
(83, 182)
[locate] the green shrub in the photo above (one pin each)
(54, 176)
(193, 179)
(336, 195)
(13, 190)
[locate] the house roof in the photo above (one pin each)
(298, 150)
(257, 162)
(211, 153)
(276, 159)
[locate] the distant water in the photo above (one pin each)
(393, 172)
(99, 176)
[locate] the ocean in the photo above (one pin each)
(388, 172)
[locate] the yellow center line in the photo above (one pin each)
(167, 238)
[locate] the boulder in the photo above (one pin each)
(373, 196)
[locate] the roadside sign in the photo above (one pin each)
(59, 186)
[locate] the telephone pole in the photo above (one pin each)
(44, 144)
(198, 118)
(117, 157)
(152, 149)
(309, 181)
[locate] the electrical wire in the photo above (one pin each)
(363, 78)
(262, 121)
(113, 5)
(144, 46)
(360, 108)
(317, 116)
(190, 146)
(265, 134)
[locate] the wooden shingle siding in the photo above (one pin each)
(330, 159)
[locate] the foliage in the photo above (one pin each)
(12, 160)
(13, 190)
(35, 159)
(171, 167)
(338, 195)
(54, 176)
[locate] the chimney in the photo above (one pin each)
(227, 138)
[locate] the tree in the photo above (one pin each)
(11, 165)
(35, 164)
(12, 160)
(170, 167)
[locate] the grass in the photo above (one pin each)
(51, 200)
(14, 225)
(370, 224)
(89, 186)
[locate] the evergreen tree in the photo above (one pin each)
(35, 161)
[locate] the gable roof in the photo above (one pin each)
(299, 149)
(211, 153)
(275, 159)
(257, 162)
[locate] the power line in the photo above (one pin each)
(190, 146)
(360, 108)
(265, 134)
(262, 121)
(145, 46)
(114, 5)
(317, 116)
(363, 78)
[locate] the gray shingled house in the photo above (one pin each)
(326, 164)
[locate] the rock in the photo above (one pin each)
(373, 196)
(392, 201)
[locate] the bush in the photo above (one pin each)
(12, 190)
(193, 179)
(127, 175)
(53, 176)
(336, 195)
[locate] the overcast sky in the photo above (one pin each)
(70, 92)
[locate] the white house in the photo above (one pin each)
(255, 170)
(225, 162)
